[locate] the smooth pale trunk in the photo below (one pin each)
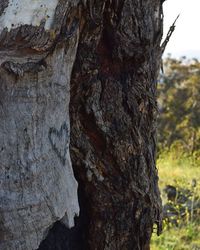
(37, 185)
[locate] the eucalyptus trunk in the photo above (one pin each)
(114, 50)
(37, 185)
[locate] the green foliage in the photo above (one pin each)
(179, 102)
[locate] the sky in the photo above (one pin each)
(185, 40)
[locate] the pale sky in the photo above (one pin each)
(185, 40)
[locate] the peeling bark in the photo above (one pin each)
(113, 125)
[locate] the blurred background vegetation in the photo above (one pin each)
(178, 159)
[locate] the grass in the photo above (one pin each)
(185, 237)
(179, 171)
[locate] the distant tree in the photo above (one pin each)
(179, 102)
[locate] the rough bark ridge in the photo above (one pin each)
(113, 112)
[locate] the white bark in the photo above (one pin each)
(37, 185)
(28, 12)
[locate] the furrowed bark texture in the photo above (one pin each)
(113, 113)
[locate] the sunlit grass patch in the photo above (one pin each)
(175, 171)
(184, 174)
(185, 237)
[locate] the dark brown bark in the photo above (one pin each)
(113, 122)
(113, 115)
(112, 110)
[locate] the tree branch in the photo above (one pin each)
(169, 34)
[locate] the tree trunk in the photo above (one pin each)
(38, 187)
(113, 111)
(113, 124)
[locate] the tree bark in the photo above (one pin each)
(38, 187)
(113, 123)
(113, 117)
